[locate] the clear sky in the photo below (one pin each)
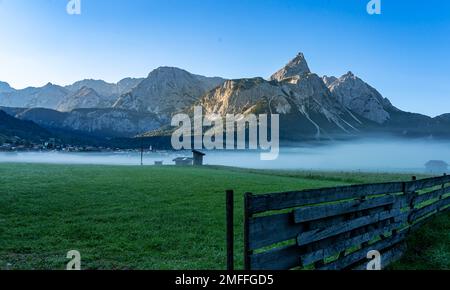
(404, 52)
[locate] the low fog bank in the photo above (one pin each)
(363, 155)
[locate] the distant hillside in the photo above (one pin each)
(11, 128)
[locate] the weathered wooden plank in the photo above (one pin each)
(344, 243)
(431, 195)
(424, 220)
(310, 213)
(284, 200)
(426, 183)
(329, 242)
(393, 255)
(361, 255)
(267, 230)
(283, 258)
(288, 257)
(387, 257)
(422, 212)
(320, 234)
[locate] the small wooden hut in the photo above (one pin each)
(198, 157)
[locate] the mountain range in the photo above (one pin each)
(310, 106)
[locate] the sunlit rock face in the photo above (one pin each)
(166, 91)
(297, 67)
(359, 97)
(304, 102)
(245, 96)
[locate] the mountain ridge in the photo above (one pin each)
(310, 106)
(166, 91)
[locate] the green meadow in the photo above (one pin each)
(155, 217)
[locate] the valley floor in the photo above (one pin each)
(154, 217)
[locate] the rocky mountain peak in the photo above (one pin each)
(167, 90)
(167, 71)
(329, 80)
(359, 97)
(5, 88)
(296, 67)
(349, 74)
(109, 91)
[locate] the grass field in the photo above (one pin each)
(153, 217)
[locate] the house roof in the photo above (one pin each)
(198, 152)
(182, 159)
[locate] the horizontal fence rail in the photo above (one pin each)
(335, 228)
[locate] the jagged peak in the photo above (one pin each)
(296, 67)
(349, 74)
(300, 58)
(329, 80)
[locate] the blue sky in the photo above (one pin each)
(404, 52)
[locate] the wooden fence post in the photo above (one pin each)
(411, 196)
(441, 197)
(230, 229)
(247, 251)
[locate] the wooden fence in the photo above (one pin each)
(335, 228)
